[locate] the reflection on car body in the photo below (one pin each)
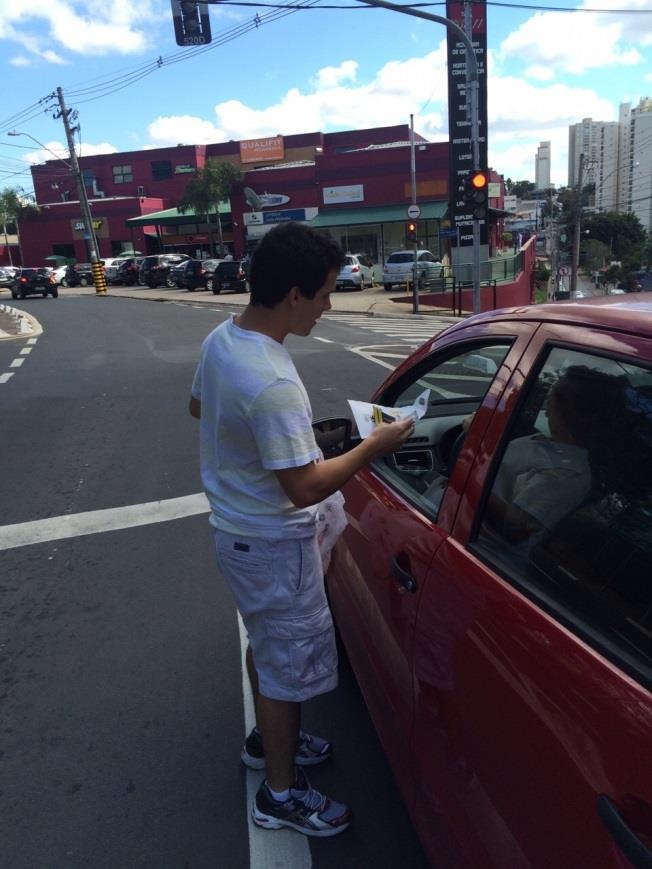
(505, 654)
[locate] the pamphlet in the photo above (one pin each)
(367, 416)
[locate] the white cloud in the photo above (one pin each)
(53, 150)
(330, 76)
(50, 29)
(570, 42)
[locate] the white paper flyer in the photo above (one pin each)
(367, 416)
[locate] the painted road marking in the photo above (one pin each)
(284, 848)
(25, 351)
(5, 377)
(16, 363)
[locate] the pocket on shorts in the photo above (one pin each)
(309, 643)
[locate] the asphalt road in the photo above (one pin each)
(120, 665)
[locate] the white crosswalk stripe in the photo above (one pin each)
(413, 332)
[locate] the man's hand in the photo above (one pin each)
(388, 437)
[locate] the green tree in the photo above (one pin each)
(210, 186)
(13, 209)
(623, 234)
(521, 189)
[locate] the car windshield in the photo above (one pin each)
(349, 261)
(401, 258)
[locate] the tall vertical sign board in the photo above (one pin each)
(459, 123)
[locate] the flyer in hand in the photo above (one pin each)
(367, 416)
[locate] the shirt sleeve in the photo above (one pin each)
(195, 389)
(282, 427)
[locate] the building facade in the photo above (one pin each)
(542, 167)
(635, 163)
(356, 184)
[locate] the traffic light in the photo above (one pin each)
(411, 232)
(476, 193)
(192, 25)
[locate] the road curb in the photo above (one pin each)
(15, 323)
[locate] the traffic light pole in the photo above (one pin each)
(472, 110)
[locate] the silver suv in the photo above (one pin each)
(398, 268)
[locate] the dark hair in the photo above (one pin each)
(291, 255)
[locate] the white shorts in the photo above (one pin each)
(278, 586)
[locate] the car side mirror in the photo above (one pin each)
(333, 435)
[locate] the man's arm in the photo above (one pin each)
(311, 483)
(194, 407)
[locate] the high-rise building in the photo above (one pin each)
(542, 167)
(635, 161)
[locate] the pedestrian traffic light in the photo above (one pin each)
(192, 25)
(411, 232)
(476, 193)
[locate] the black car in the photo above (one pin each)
(34, 282)
(190, 274)
(229, 275)
(126, 273)
(155, 270)
(78, 275)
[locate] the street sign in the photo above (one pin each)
(447, 233)
(413, 211)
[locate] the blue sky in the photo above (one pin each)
(314, 69)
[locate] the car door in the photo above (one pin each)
(533, 665)
(394, 507)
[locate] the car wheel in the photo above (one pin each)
(388, 288)
(152, 285)
(54, 293)
(209, 285)
(14, 295)
(23, 295)
(83, 282)
(170, 284)
(44, 294)
(216, 289)
(64, 282)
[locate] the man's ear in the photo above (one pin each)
(293, 296)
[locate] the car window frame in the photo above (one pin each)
(519, 334)
(550, 336)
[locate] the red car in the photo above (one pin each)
(493, 589)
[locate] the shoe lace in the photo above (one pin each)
(313, 800)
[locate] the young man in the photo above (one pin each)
(263, 474)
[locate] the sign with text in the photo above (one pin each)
(262, 150)
(459, 123)
(348, 193)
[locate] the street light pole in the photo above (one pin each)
(472, 111)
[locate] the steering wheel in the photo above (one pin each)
(455, 437)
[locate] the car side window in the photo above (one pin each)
(569, 510)
(458, 381)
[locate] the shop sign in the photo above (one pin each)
(284, 216)
(255, 150)
(184, 168)
(350, 193)
(80, 226)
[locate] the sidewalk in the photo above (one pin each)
(373, 302)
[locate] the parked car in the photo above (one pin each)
(6, 278)
(228, 275)
(77, 275)
(191, 274)
(126, 272)
(399, 267)
(155, 270)
(34, 282)
(492, 588)
(356, 273)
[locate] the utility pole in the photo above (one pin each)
(413, 177)
(577, 228)
(98, 274)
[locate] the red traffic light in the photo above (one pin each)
(411, 231)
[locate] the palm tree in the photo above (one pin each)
(210, 186)
(12, 209)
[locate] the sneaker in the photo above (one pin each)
(306, 811)
(310, 750)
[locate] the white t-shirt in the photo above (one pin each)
(255, 419)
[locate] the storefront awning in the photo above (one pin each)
(379, 214)
(174, 216)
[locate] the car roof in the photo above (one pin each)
(629, 313)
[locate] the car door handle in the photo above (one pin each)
(638, 854)
(404, 577)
